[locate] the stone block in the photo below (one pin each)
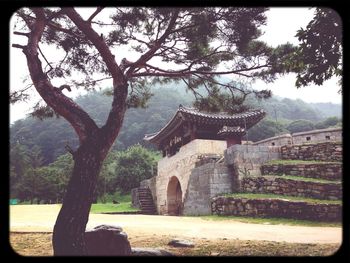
(150, 252)
(107, 240)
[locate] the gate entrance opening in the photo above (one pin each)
(174, 197)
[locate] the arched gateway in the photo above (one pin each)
(174, 196)
(190, 137)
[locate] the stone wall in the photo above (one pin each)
(327, 171)
(135, 198)
(280, 140)
(283, 186)
(327, 151)
(180, 165)
(316, 136)
(276, 208)
(246, 160)
(205, 182)
(151, 184)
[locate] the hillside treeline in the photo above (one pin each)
(40, 166)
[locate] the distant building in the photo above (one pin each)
(185, 141)
(189, 124)
(204, 156)
(314, 136)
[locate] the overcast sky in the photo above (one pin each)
(282, 24)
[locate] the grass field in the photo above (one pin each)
(39, 244)
(272, 221)
(308, 179)
(286, 162)
(111, 208)
(105, 204)
(291, 198)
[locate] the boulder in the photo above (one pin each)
(180, 243)
(107, 240)
(150, 252)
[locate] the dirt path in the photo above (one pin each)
(41, 218)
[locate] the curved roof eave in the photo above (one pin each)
(247, 119)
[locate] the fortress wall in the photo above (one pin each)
(181, 165)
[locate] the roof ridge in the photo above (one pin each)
(184, 113)
(223, 114)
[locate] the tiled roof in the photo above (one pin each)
(228, 130)
(243, 120)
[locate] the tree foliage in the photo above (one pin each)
(329, 122)
(51, 135)
(134, 165)
(39, 183)
(320, 52)
(19, 163)
(300, 125)
(193, 45)
(265, 129)
(121, 171)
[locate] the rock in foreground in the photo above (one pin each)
(107, 240)
(180, 243)
(150, 252)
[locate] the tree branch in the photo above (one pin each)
(92, 81)
(99, 43)
(54, 15)
(149, 54)
(110, 130)
(195, 93)
(48, 63)
(52, 24)
(97, 11)
(19, 46)
(185, 72)
(21, 33)
(64, 106)
(69, 149)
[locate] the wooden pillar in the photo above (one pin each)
(193, 132)
(232, 140)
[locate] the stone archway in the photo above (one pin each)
(174, 196)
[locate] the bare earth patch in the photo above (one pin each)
(41, 218)
(39, 244)
(31, 230)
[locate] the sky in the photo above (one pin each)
(282, 25)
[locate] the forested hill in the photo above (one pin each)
(51, 135)
(327, 109)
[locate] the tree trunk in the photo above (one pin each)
(95, 142)
(69, 230)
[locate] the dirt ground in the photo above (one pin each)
(41, 218)
(39, 244)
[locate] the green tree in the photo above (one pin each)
(320, 52)
(194, 45)
(62, 170)
(329, 122)
(31, 185)
(265, 129)
(49, 191)
(106, 181)
(52, 134)
(134, 165)
(300, 126)
(19, 163)
(36, 159)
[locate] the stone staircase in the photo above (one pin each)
(297, 186)
(146, 201)
(290, 188)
